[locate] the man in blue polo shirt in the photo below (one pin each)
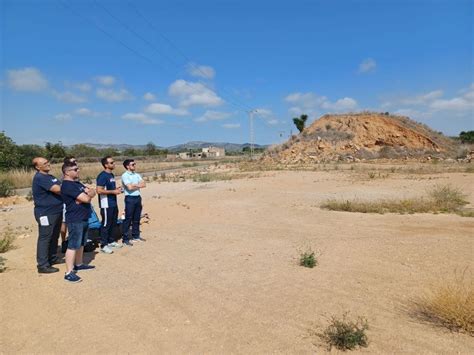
(132, 183)
(48, 213)
(108, 191)
(77, 198)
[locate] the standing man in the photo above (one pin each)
(132, 183)
(72, 160)
(108, 191)
(48, 213)
(77, 198)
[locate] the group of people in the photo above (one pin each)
(64, 207)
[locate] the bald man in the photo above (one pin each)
(48, 213)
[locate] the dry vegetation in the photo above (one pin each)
(22, 177)
(440, 199)
(449, 303)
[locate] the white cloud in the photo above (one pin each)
(345, 104)
(412, 113)
(311, 103)
(141, 118)
(231, 125)
(164, 109)
(190, 94)
(201, 71)
(149, 96)
(367, 65)
(273, 121)
(83, 111)
(113, 95)
(423, 98)
(263, 112)
(63, 117)
(69, 97)
(106, 80)
(81, 86)
(213, 116)
(26, 79)
(454, 104)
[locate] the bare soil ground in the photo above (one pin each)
(219, 271)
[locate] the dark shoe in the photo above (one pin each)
(128, 244)
(72, 277)
(139, 239)
(83, 267)
(47, 270)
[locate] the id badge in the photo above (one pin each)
(44, 221)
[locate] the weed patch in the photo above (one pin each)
(440, 199)
(308, 259)
(6, 187)
(346, 334)
(7, 239)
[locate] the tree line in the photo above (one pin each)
(20, 156)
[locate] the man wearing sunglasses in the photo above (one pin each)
(132, 183)
(48, 213)
(108, 191)
(77, 198)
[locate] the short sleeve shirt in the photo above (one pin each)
(129, 177)
(107, 181)
(75, 212)
(46, 202)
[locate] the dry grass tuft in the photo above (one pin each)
(7, 239)
(449, 304)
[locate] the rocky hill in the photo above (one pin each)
(360, 136)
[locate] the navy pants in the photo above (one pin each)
(133, 211)
(109, 221)
(47, 247)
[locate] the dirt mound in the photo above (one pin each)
(361, 136)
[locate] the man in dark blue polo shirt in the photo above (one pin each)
(77, 198)
(48, 213)
(108, 191)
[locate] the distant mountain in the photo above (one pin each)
(230, 147)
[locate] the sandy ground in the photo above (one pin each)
(219, 272)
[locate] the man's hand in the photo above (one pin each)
(118, 190)
(141, 184)
(90, 192)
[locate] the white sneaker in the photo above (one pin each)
(106, 250)
(115, 245)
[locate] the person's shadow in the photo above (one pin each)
(89, 256)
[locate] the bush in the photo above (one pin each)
(450, 304)
(2, 264)
(345, 334)
(6, 239)
(308, 259)
(447, 197)
(6, 188)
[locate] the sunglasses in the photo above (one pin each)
(111, 162)
(133, 164)
(75, 169)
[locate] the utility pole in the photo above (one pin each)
(252, 138)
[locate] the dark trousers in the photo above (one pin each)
(109, 221)
(47, 247)
(133, 211)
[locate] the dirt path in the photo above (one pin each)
(219, 273)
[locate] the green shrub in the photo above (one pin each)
(308, 259)
(345, 334)
(2, 264)
(6, 188)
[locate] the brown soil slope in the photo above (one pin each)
(361, 136)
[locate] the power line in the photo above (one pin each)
(186, 58)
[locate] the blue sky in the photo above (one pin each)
(169, 72)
